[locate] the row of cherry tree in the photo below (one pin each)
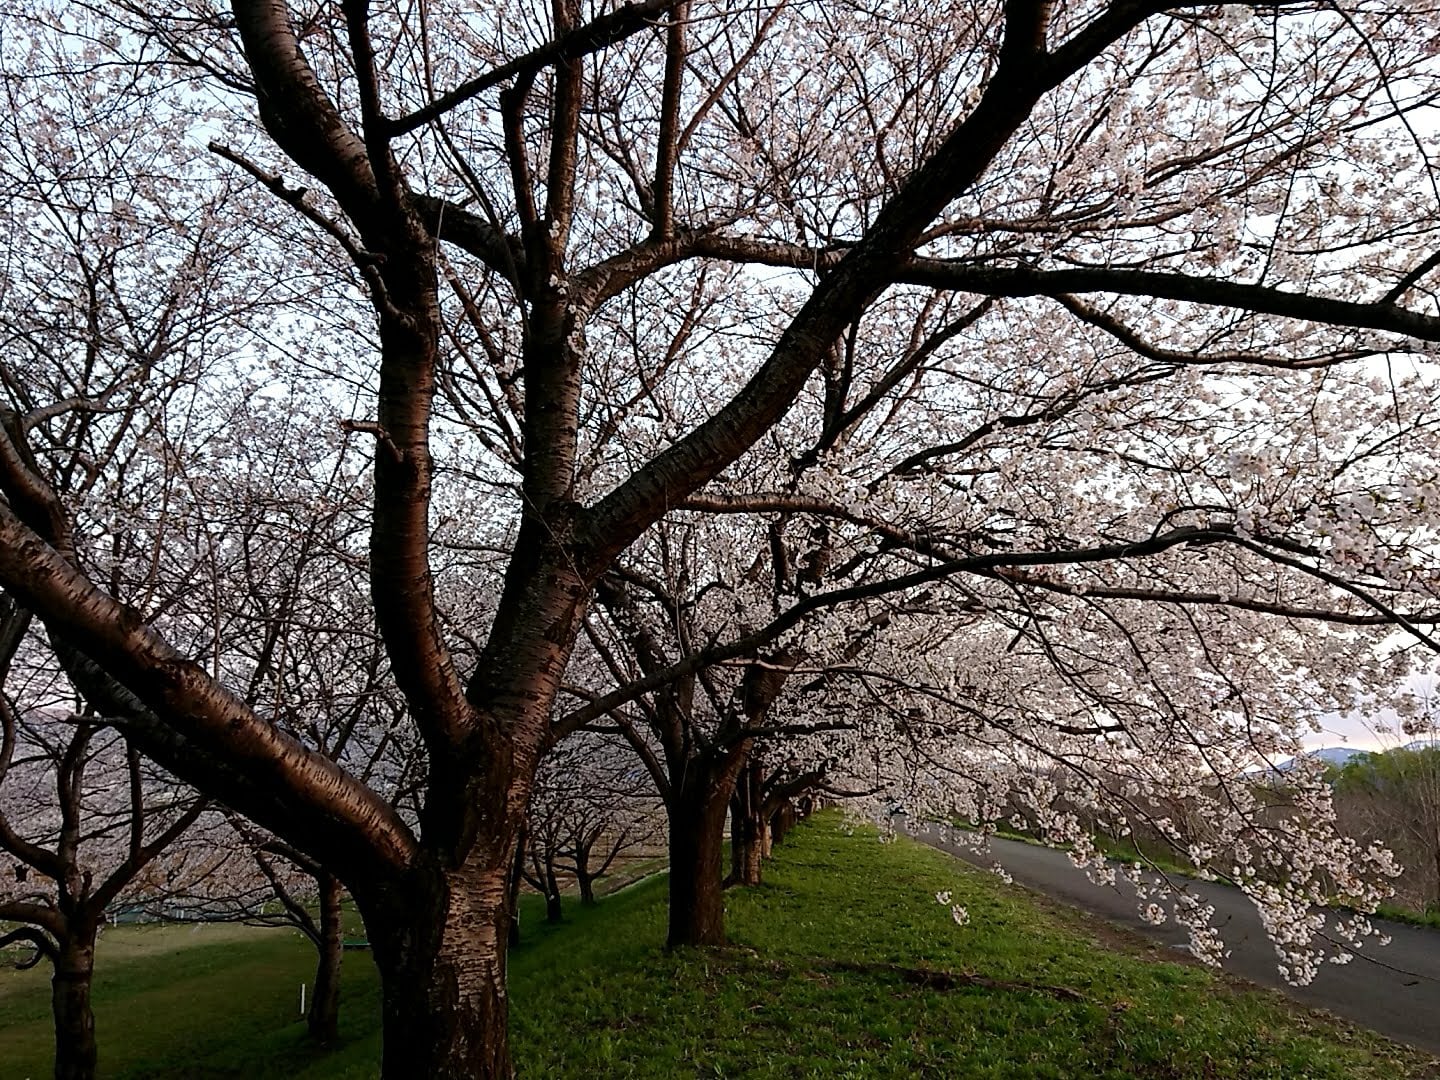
(935, 407)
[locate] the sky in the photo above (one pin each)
(1378, 730)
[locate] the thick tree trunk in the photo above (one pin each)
(439, 940)
(75, 1052)
(697, 835)
(324, 1018)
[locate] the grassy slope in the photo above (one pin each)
(822, 982)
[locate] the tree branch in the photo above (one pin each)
(322, 799)
(750, 643)
(44, 947)
(1164, 285)
(607, 30)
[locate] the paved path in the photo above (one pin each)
(1395, 989)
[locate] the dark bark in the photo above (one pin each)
(75, 1050)
(542, 877)
(439, 942)
(747, 828)
(583, 877)
(737, 841)
(782, 821)
(697, 898)
(324, 1016)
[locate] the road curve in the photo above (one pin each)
(1393, 989)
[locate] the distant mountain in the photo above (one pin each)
(1338, 756)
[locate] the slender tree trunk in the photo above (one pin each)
(747, 843)
(737, 838)
(553, 911)
(782, 821)
(517, 876)
(324, 1018)
(747, 827)
(753, 870)
(697, 835)
(75, 1052)
(587, 889)
(583, 878)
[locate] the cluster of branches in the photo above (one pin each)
(591, 806)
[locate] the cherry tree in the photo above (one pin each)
(85, 825)
(696, 585)
(1096, 335)
(770, 798)
(591, 804)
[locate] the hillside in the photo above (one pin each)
(844, 964)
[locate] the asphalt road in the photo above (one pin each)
(1393, 989)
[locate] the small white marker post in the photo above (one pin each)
(302, 999)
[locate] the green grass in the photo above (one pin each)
(174, 1000)
(1429, 917)
(843, 965)
(1155, 856)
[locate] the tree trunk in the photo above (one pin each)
(747, 827)
(697, 834)
(782, 821)
(517, 875)
(439, 942)
(755, 825)
(737, 839)
(75, 1051)
(583, 878)
(324, 1018)
(553, 911)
